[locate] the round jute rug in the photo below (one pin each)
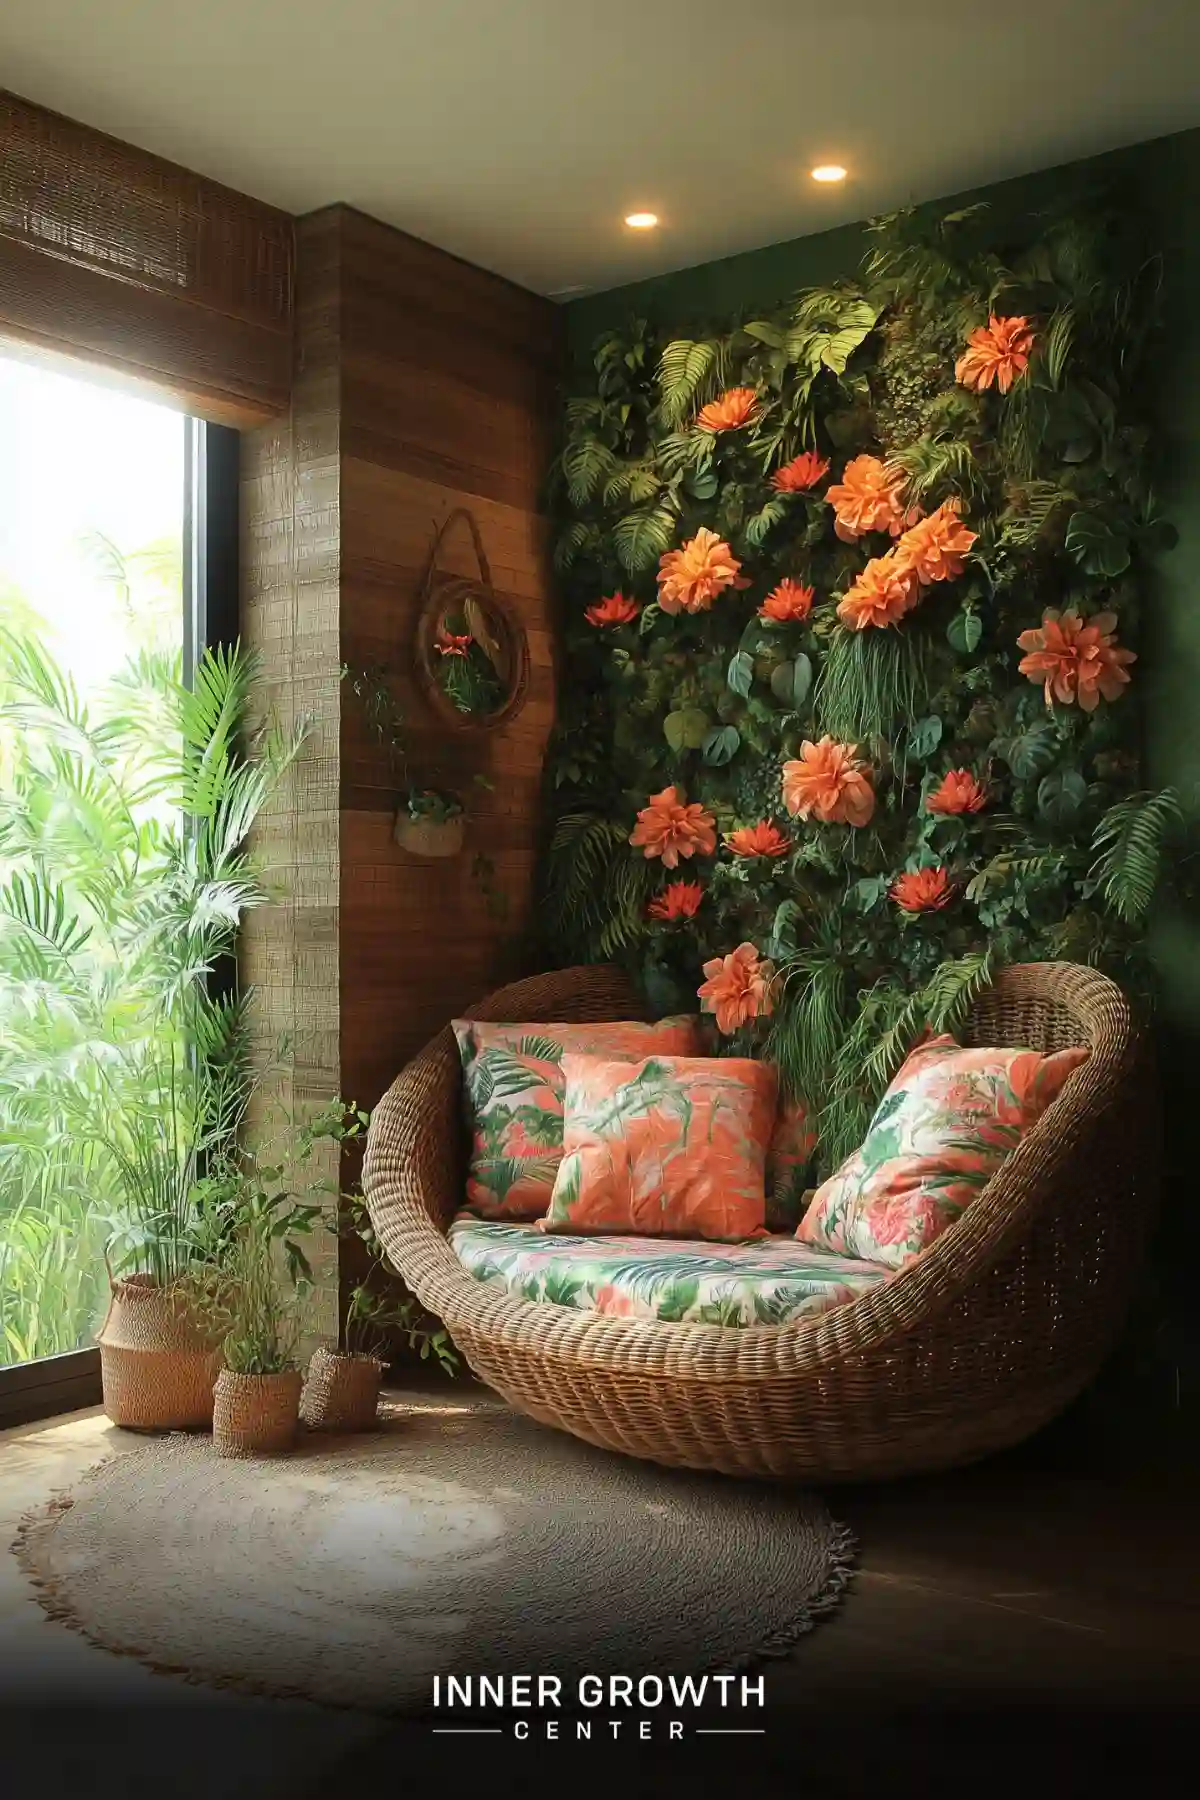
(459, 1539)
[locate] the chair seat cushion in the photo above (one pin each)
(766, 1282)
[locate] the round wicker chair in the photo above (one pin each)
(984, 1338)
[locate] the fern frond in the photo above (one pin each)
(690, 373)
(1128, 845)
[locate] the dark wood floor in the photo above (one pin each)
(1022, 1627)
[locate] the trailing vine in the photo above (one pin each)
(852, 611)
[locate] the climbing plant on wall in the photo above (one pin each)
(851, 713)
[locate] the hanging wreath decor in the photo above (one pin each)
(855, 586)
(471, 651)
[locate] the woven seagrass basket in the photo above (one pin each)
(255, 1415)
(342, 1392)
(158, 1358)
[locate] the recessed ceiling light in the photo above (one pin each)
(829, 172)
(641, 221)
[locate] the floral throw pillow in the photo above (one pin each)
(673, 1146)
(792, 1144)
(945, 1125)
(513, 1088)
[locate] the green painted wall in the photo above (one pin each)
(1148, 1403)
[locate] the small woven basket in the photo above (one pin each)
(255, 1415)
(158, 1358)
(342, 1392)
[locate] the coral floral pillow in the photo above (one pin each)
(514, 1098)
(672, 1146)
(945, 1125)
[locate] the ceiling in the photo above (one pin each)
(518, 133)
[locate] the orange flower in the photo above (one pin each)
(763, 839)
(1077, 660)
(959, 792)
(690, 579)
(826, 782)
(731, 410)
(678, 900)
(883, 593)
(668, 827)
(737, 988)
(868, 499)
(787, 604)
(614, 609)
(448, 643)
(934, 548)
(804, 471)
(998, 351)
(924, 891)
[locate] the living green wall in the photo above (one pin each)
(1149, 1401)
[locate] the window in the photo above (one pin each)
(117, 560)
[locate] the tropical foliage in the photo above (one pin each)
(853, 598)
(123, 877)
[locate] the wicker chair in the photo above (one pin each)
(984, 1338)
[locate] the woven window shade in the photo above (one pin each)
(118, 257)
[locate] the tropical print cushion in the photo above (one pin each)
(945, 1125)
(768, 1282)
(673, 1146)
(791, 1151)
(513, 1087)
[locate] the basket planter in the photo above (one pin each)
(255, 1415)
(342, 1392)
(430, 837)
(158, 1358)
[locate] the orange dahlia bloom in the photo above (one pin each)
(614, 609)
(678, 900)
(449, 643)
(827, 782)
(763, 839)
(959, 792)
(737, 988)
(934, 547)
(804, 471)
(1076, 659)
(998, 351)
(924, 891)
(787, 604)
(690, 579)
(732, 409)
(668, 827)
(883, 593)
(867, 498)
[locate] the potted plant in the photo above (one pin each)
(341, 1392)
(430, 821)
(125, 828)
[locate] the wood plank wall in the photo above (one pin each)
(448, 394)
(422, 384)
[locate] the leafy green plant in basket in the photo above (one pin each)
(900, 527)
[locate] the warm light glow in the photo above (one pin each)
(642, 221)
(829, 172)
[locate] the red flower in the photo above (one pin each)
(923, 891)
(763, 839)
(732, 409)
(787, 604)
(678, 900)
(447, 643)
(959, 792)
(804, 471)
(1076, 660)
(614, 609)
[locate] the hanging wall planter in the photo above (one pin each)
(433, 833)
(471, 651)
